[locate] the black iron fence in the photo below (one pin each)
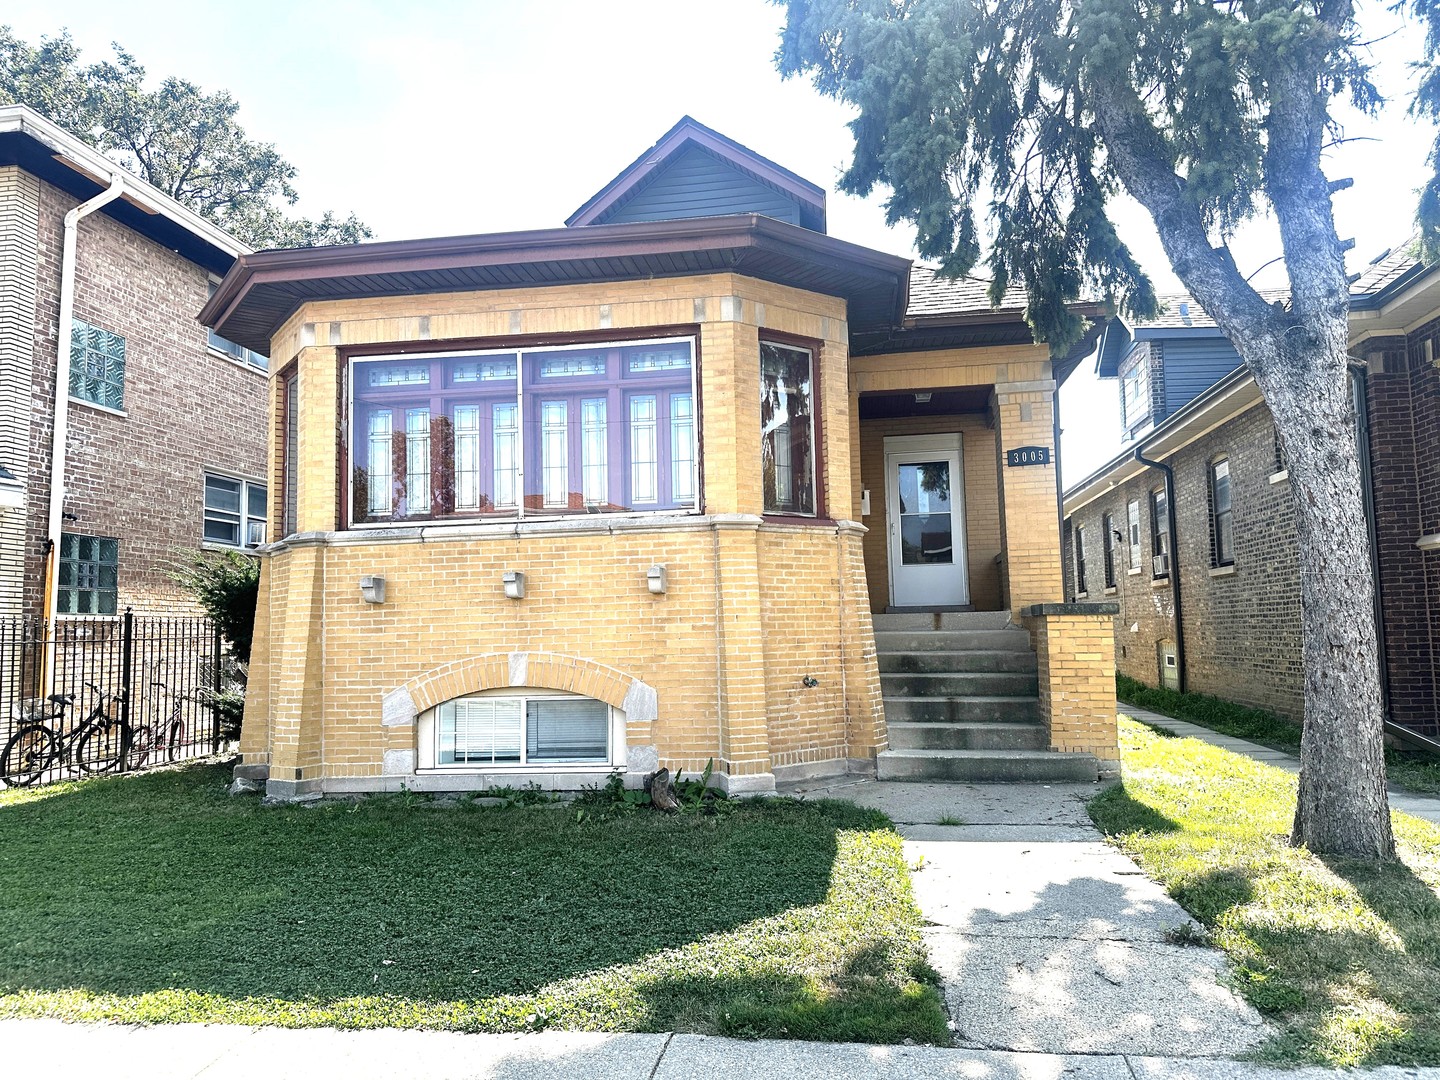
(85, 696)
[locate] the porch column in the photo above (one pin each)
(864, 707)
(1029, 506)
(744, 721)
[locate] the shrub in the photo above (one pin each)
(226, 585)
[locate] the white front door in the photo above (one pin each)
(925, 516)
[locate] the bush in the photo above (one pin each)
(226, 585)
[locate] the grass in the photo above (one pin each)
(1343, 957)
(1412, 771)
(158, 898)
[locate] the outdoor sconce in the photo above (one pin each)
(514, 584)
(656, 579)
(372, 589)
(809, 682)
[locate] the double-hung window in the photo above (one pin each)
(1133, 519)
(1222, 523)
(600, 428)
(1080, 587)
(1159, 534)
(89, 572)
(787, 428)
(97, 365)
(1107, 544)
(235, 511)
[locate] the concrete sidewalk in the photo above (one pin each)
(1047, 938)
(1407, 802)
(51, 1049)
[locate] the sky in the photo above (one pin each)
(437, 118)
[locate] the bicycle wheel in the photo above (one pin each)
(28, 753)
(142, 745)
(175, 739)
(102, 747)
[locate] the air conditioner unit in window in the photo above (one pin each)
(1160, 565)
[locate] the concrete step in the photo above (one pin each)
(892, 641)
(992, 709)
(960, 684)
(985, 765)
(942, 620)
(965, 660)
(967, 736)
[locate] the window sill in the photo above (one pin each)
(1111, 590)
(1082, 596)
(220, 354)
(1133, 573)
(1222, 571)
(216, 545)
(98, 407)
(1280, 477)
(1160, 582)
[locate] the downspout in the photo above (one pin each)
(1174, 558)
(1059, 489)
(60, 428)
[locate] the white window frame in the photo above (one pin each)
(428, 737)
(519, 445)
(246, 521)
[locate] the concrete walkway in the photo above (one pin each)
(51, 1049)
(1048, 939)
(1421, 806)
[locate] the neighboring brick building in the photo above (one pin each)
(165, 436)
(650, 489)
(1237, 564)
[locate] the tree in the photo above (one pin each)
(182, 140)
(1205, 113)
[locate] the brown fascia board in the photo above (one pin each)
(688, 130)
(546, 245)
(1087, 309)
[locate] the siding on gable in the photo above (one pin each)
(697, 184)
(1192, 366)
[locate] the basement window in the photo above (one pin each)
(511, 730)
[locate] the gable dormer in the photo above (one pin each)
(694, 171)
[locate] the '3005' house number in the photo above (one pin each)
(1027, 455)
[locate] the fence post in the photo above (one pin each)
(215, 700)
(127, 641)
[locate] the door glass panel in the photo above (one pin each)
(925, 538)
(925, 488)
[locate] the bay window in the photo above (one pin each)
(597, 428)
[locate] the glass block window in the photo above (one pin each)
(97, 365)
(89, 575)
(587, 429)
(522, 730)
(235, 511)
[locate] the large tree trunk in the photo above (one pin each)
(1342, 807)
(1298, 357)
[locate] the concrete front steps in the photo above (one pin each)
(962, 702)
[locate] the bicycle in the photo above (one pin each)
(173, 731)
(96, 745)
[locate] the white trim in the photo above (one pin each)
(1280, 477)
(1222, 571)
(98, 407)
(427, 738)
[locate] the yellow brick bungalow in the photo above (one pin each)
(685, 480)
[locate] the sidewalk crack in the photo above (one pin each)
(661, 1056)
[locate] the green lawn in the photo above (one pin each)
(1344, 957)
(1410, 770)
(159, 898)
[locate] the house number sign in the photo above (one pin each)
(1027, 455)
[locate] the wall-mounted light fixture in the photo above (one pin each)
(514, 584)
(809, 682)
(372, 589)
(656, 580)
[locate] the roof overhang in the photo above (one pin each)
(1228, 398)
(41, 148)
(12, 491)
(264, 289)
(1412, 299)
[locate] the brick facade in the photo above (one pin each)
(138, 475)
(760, 655)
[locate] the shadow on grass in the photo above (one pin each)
(863, 1002)
(1116, 810)
(160, 882)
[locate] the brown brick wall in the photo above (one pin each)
(1242, 628)
(137, 477)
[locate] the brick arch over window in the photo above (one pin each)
(549, 671)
